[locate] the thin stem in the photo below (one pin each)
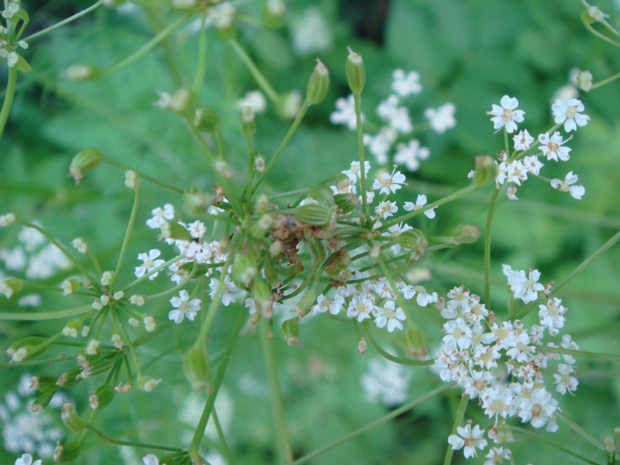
(487, 249)
(581, 353)
(557, 446)
(580, 431)
(601, 36)
(220, 435)
(360, 148)
(132, 219)
(29, 316)
(202, 57)
(283, 144)
(140, 174)
(285, 455)
(146, 47)
(63, 22)
(8, 98)
(262, 82)
(392, 358)
(460, 413)
(129, 443)
(374, 424)
(605, 81)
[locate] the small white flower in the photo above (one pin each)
(389, 183)
(345, 113)
(507, 115)
(130, 179)
(596, 14)
(26, 459)
(7, 219)
(469, 439)
(405, 84)
(149, 323)
(576, 192)
(584, 81)
(255, 100)
(564, 382)
(390, 316)
(522, 140)
(553, 147)
(160, 215)
(411, 154)
(420, 203)
(150, 459)
(386, 209)
(442, 118)
(324, 304)
(184, 308)
(498, 455)
(424, 298)
(92, 348)
(79, 244)
(524, 287)
(568, 113)
(149, 264)
(137, 299)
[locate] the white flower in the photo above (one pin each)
(568, 113)
(442, 118)
(538, 408)
(7, 219)
(584, 81)
(507, 115)
(498, 455)
(576, 192)
(458, 334)
(361, 308)
(92, 348)
(419, 203)
(149, 323)
(410, 154)
(424, 298)
(389, 183)
(390, 316)
(255, 100)
(353, 173)
(222, 15)
(596, 14)
(386, 209)
(532, 165)
(79, 244)
(310, 32)
(524, 288)
(468, 438)
(184, 308)
(397, 117)
(552, 315)
(160, 215)
(552, 147)
(345, 113)
(130, 179)
(324, 304)
(564, 382)
(150, 459)
(149, 264)
(230, 292)
(522, 140)
(26, 459)
(386, 382)
(380, 144)
(406, 84)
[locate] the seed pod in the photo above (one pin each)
(102, 397)
(195, 367)
(84, 163)
(356, 72)
(289, 331)
(486, 170)
(67, 451)
(465, 234)
(314, 214)
(81, 73)
(322, 195)
(11, 286)
(42, 401)
(346, 202)
(71, 419)
(243, 270)
(70, 377)
(262, 297)
(306, 302)
(317, 84)
(206, 119)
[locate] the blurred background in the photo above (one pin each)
(467, 53)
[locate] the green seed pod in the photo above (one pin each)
(415, 343)
(84, 163)
(71, 419)
(26, 347)
(44, 384)
(70, 377)
(22, 65)
(315, 214)
(195, 367)
(411, 239)
(289, 331)
(102, 397)
(306, 302)
(346, 202)
(262, 297)
(42, 401)
(206, 119)
(321, 194)
(465, 234)
(317, 84)
(243, 270)
(68, 451)
(586, 18)
(356, 72)
(485, 171)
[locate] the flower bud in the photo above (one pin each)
(315, 214)
(71, 419)
(72, 329)
(223, 17)
(195, 367)
(25, 348)
(306, 302)
(273, 12)
(206, 120)
(197, 203)
(262, 203)
(102, 397)
(356, 72)
(317, 84)
(7, 219)
(84, 163)
(415, 343)
(289, 331)
(485, 171)
(259, 228)
(146, 383)
(248, 120)
(346, 202)
(68, 451)
(81, 73)
(465, 234)
(11, 286)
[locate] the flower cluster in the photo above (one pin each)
(9, 43)
(514, 168)
(397, 125)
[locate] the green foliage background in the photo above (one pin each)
(467, 52)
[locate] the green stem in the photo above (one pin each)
(487, 249)
(605, 81)
(283, 144)
(132, 219)
(284, 453)
(393, 414)
(129, 443)
(63, 22)
(360, 148)
(262, 82)
(46, 315)
(152, 272)
(140, 174)
(220, 435)
(8, 98)
(601, 36)
(580, 353)
(460, 413)
(206, 412)
(392, 358)
(202, 58)
(579, 430)
(146, 47)
(557, 446)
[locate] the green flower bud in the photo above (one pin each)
(42, 401)
(586, 18)
(346, 202)
(485, 171)
(259, 228)
(315, 214)
(206, 119)
(248, 120)
(84, 163)
(289, 331)
(262, 203)
(81, 73)
(44, 384)
(243, 271)
(195, 367)
(102, 397)
(356, 72)
(71, 419)
(317, 84)
(26, 347)
(306, 302)
(465, 234)
(11, 286)
(415, 343)
(68, 451)
(413, 240)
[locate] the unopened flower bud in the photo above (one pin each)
(317, 84)
(71, 419)
(7, 219)
(486, 170)
(584, 81)
(289, 331)
(81, 73)
(262, 297)
(262, 203)
(356, 72)
(25, 348)
(106, 278)
(195, 367)
(259, 163)
(79, 244)
(243, 270)
(206, 120)
(223, 17)
(84, 163)
(465, 234)
(69, 286)
(362, 345)
(102, 397)
(68, 451)
(11, 286)
(223, 168)
(72, 329)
